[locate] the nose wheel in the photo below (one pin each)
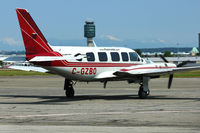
(69, 89)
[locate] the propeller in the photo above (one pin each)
(170, 75)
(163, 58)
(183, 63)
(170, 80)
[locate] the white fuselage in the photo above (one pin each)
(97, 63)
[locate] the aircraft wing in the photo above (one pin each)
(28, 68)
(152, 72)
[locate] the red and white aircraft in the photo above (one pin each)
(91, 63)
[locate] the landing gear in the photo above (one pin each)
(143, 94)
(68, 87)
(144, 88)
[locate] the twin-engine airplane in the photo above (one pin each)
(91, 63)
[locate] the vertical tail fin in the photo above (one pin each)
(34, 41)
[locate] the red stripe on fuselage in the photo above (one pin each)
(63, 63)
(87, 64)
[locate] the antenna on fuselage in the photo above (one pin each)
(89, 32)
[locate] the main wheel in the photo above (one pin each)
(68, 87)
(143, 94)
(69, 92)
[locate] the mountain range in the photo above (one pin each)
(134, 44)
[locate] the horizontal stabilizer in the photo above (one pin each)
(28, 68)
(46, 58)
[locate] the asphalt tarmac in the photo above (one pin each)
(38, 104)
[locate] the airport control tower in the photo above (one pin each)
(199, 41)
(89, 32)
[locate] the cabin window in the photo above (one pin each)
(115, 56)
(124, 56)
(133, 56)
(90, 56)
(102, 56)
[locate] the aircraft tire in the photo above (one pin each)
(69, 92)
(143, 94)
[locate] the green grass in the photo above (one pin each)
(191, 74)
(8, 72)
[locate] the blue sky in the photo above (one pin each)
(150, 23)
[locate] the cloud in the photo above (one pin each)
(161, 41)
(10, 41)
(154, 41)
(112, 38)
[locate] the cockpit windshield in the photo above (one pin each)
(134, 56)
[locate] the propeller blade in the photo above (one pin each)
(170, 80)
(163, 58)
(104, 84)
(183, 63)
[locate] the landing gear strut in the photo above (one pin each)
(144, 88)
(68, 87)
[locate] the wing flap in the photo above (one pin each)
(105, 75)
